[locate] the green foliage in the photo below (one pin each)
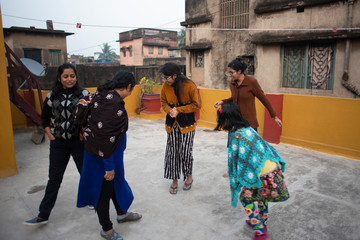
(147, 85)
(181, 38)
(107, 53)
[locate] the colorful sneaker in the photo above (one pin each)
(36, 221)
(111, 236)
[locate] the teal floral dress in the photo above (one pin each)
(247, 155)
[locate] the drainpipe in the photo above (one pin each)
(345, 77)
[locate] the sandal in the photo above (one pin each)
(129, 218)
(186, 185)
(174, 190)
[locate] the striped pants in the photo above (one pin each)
(178, 155)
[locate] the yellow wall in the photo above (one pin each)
(7, 161)
(324, 124)
(208, 112)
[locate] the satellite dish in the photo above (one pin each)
(33, 66)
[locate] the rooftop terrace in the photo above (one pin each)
(324, 201)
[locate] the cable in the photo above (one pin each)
(211, 29)
(169, 22)
(82, 25)
(92, 46)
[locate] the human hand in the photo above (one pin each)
(218, 103)
(50, 136)
(173, 112)
(278, 121)
(48, 133)
(109, 175)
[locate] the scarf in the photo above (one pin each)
(107, 122)
(247, 155)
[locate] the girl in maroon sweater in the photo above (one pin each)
(244, 89)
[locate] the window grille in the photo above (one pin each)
(151, 49)
(234, 14)
(249, 60)
(308, 66)
(199, 59)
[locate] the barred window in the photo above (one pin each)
(151, 49)
(234, 14)
(199, 59)
(249, 60)
(308, 66)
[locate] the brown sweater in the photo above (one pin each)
(190, 103)
(244, 96)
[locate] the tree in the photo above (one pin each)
(107, 53)
(181, 38)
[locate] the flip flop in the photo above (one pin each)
(187, 185)
(174, 190)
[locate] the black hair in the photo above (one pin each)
(230, 118)
(171, 69)
(238, 64)
(121, 79)
(58, 88)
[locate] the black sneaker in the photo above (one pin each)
(36, 221)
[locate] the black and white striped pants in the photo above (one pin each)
(179, 155)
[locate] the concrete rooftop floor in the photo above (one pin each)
(324, 201)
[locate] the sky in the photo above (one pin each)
(102, 21)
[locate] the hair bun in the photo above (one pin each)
(239, 58)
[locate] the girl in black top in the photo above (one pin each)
(58, 121)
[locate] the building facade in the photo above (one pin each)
(46, 46)
(300, 47)
(146, 46)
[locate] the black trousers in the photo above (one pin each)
(103, 207)
(60, 152)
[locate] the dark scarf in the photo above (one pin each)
(107, 123)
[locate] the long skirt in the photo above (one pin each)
(92, 177)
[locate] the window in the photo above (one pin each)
(308, 66)
(249, 60)
(199, 59)
(54, 57)
(160, 50)
(234, 14)
(34, 54)
(151, 49)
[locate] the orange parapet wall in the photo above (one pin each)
(324, 124)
